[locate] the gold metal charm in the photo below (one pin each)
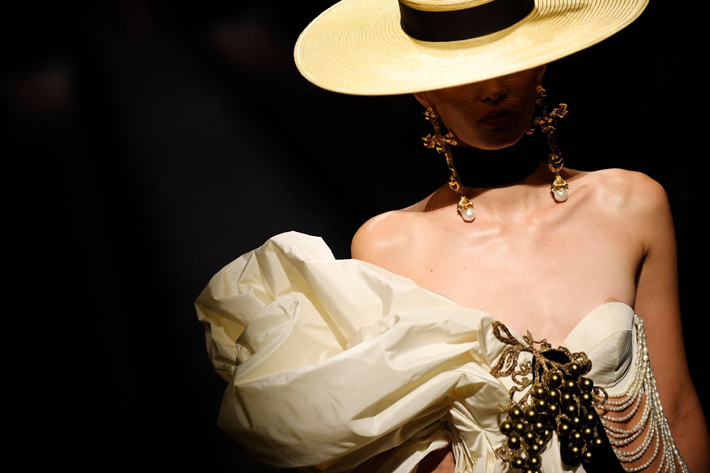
(465, 208)
(559, 189)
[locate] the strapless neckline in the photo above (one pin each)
(580, 327)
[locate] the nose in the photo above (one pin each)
(493, 91)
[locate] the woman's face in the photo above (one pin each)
(491, 114)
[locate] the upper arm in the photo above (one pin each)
(657, 303)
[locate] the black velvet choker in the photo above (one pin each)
(481, 168)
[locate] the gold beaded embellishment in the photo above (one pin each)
(644, 383)
(556, 397)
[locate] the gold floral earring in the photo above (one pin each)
(548, 124)
(443, 144)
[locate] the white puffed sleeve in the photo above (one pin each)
(339, 365)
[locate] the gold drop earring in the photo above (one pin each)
(548, 124)
(443, 144)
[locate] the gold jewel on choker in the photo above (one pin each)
(548, 124)
(443, 145)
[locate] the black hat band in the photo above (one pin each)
(466, 23)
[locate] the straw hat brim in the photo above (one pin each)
(358, 47)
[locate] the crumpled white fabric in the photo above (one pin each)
(339, 365)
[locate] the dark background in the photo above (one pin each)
(150, 143)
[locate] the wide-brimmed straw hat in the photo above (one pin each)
(386, 47)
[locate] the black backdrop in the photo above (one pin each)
(150, 144)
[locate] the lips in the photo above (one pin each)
(497, 118)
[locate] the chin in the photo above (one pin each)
(492, 143)
(495, 138)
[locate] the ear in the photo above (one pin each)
(423, 99)
(541, 73)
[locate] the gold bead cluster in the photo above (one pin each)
(556, 398)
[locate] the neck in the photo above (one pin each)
(485, 169)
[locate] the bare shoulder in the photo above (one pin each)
(625, 194)
(388, 239)
(631, 201)
(381, 236)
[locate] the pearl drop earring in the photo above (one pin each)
(443, 145)
(548, 124)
